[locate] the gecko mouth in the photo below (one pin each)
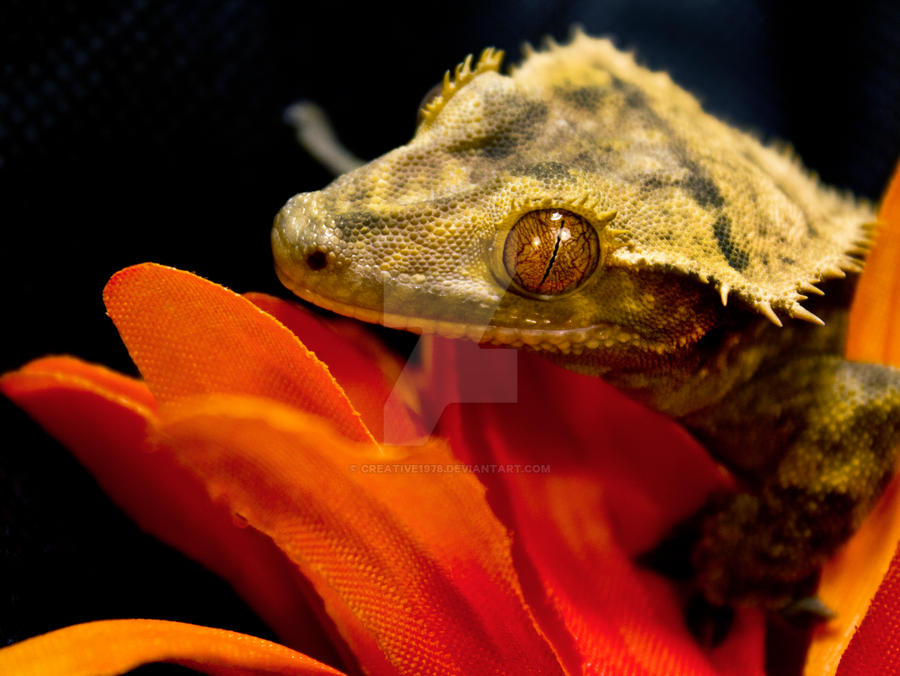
(564, 341)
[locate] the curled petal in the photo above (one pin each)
(130, 392)
(189, 336)
(117, 646)
(367, 371)
(412, 567)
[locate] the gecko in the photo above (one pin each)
(586, 208)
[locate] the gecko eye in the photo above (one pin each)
(551, 251)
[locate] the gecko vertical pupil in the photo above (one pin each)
(550, 251)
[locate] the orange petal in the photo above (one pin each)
(874, 331)
(590, 479)
(850, 580)
(106, 380)
(117, 646)
(103, 418)
(412, 566)
(366, 370)
(189, 336)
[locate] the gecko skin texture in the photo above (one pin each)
(586, 208)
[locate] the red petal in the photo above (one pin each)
(412, 566)
(873, 649)
(117, 646)
(365, 369)
(588, 480)
(189, 336)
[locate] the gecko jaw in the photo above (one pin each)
(565, 341)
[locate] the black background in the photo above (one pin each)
(134, 131)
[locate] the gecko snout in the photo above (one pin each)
(300, 242)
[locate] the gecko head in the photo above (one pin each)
(580, 202)
(539, 279)
(493, 223)
(517, 258)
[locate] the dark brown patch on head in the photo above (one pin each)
(737, 256)
(654, 182)
(702, 188)
(519, 122)
(593, 160)
(636, 104)
(698, 183)
(544, 171)
(585, 98)
(354, 225)
(494, 146)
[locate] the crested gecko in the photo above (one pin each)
(586, 208)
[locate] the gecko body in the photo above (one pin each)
(588, 209)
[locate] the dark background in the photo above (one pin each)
(134, 131)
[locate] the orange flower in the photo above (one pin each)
(503, 544)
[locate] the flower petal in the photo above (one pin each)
(412, 566)
(189, 336)
(874, 331)
(590, 479)
(850, 581)
(110, 382)
(860, 583)
(104, 418)
(117, 646)
(366, 370)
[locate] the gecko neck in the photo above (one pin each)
(744, 344)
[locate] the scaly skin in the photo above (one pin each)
(588, 209)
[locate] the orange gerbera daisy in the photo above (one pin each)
(503, 543)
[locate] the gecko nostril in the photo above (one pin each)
(317, 260)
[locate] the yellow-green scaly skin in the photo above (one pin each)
(689, 213)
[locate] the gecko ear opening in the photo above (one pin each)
(550, 251)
